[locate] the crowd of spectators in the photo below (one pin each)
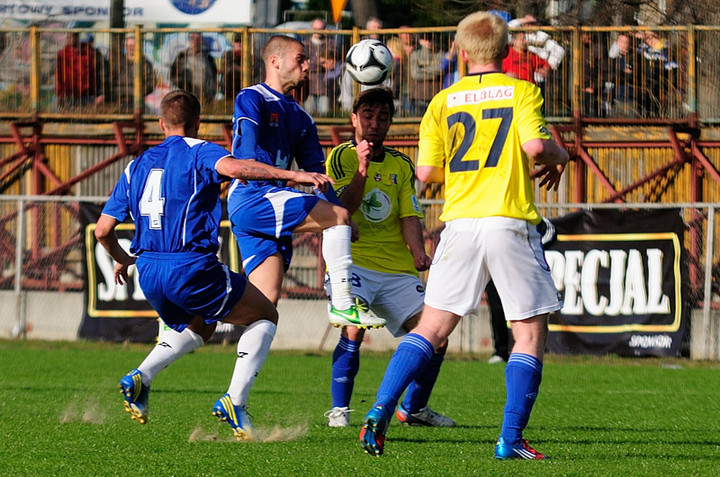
(622, 74)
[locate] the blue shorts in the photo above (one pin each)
(180, 286)
(263, 220)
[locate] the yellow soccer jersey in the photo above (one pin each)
(475, 130)
(389, 196)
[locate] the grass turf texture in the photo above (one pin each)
(61, 414)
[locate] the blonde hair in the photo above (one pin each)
(483, 36)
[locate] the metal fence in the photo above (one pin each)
(41, 244)
(593, 74)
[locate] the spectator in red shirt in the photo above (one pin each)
(75, 74)
(521, 63)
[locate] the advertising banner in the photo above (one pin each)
(120, 312)
(623, 277)
(236, 12)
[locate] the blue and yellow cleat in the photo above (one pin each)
(136, 396)
(522, 450)
(236, 416)
(372, 434)
(357, 315)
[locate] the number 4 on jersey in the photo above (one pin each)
(152, 203)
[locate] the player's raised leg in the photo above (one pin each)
(334, 221)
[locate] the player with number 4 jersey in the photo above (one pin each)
(480, 138)
(172, 194)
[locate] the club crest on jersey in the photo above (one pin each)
(274, 120)
(393, 178)
(378, 177)
(376, 206)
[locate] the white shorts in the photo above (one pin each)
(397, 297)
(472, 251)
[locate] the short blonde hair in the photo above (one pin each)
(483, 36)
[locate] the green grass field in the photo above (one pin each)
(61, 414)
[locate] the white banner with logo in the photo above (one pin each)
(135, 11)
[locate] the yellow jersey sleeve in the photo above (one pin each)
(342, 164)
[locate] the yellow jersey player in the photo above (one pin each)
(377, 186)
(481, 137)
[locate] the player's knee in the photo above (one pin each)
(342, 215)
(272, 315)
(202, 329)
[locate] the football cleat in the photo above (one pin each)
(522, 450)
(236, 416)
(338, 417)
(357, 315)
(372, 434)
(424, 417)
(136, 396)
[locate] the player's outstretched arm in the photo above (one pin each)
(252, 170)
(105, 234)
(551, 156)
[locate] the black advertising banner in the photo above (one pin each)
(120, 312)
(623, 276)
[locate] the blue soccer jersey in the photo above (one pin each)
(271, 127)
(171, 192)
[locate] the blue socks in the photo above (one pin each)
(418, 392)
(411, 357)
(345, 366)
(523, 374)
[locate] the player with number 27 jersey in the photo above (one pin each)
(488, 174)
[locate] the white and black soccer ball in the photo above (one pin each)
(369, 62)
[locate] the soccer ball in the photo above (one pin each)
(369, 62)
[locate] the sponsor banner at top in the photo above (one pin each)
(135, 11)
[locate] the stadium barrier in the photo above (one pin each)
(44, 284)
(586, 78)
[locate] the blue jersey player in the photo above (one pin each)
(171, 192)
(481, 137)
(271, 128)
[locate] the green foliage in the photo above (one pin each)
(61, 414)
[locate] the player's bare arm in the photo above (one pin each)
(551, 156)
(352, 196)
(412, 233)
(252, 170)
(430, 174)
(105, 234)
